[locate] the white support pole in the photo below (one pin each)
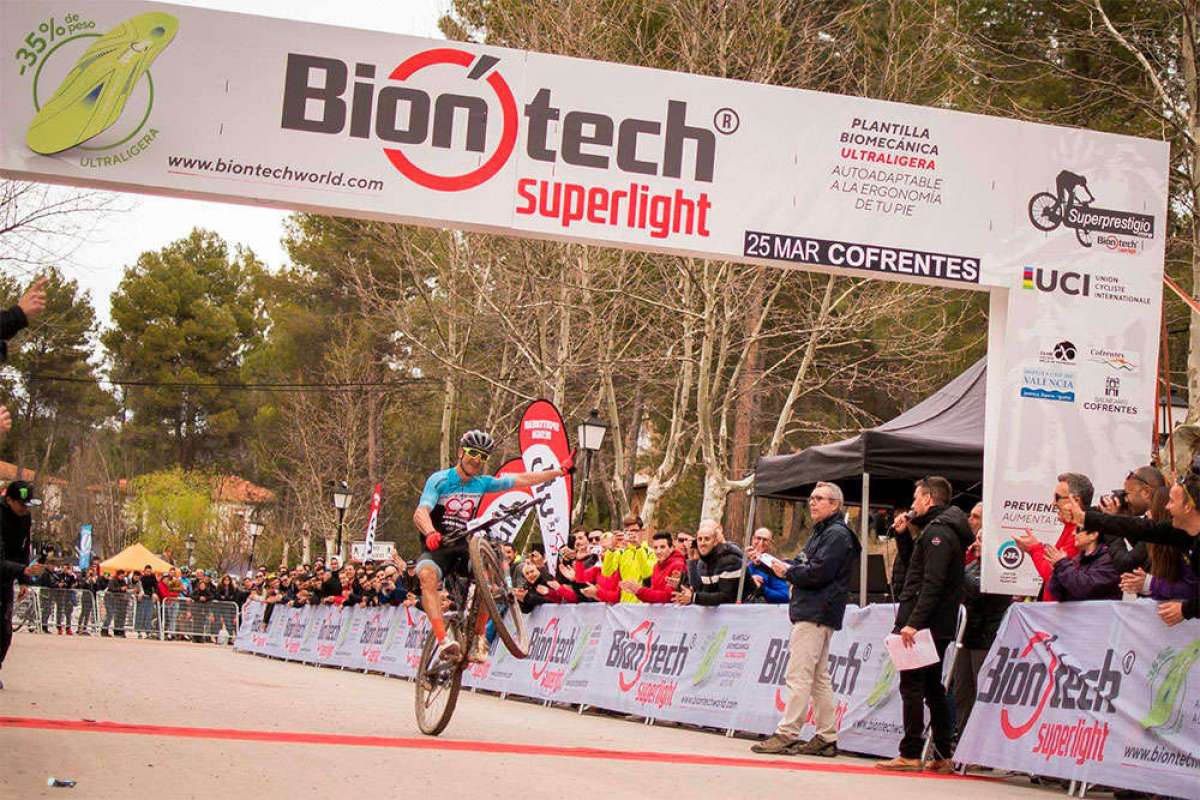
(865, 526)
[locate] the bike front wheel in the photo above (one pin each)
(1084, 236)
(437, 685)
(492, 586)
(1043, 211)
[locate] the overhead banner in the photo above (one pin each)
(494, 504)
(375, 124)
(1066, 227)
(544, 445)
(1101, 692)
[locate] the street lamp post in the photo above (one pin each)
(341, 501)
(589, 435)
(191, 550)
(254, 528)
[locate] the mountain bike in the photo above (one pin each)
(488, 589)
(1046, 213)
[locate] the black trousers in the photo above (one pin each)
(7, 606)
(920, 688)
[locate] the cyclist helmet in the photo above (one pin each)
(479, 440)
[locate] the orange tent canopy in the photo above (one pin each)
(134, 559)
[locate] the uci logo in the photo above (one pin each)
(425, 118)
(1076, 284)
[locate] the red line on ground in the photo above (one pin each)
(459, 745)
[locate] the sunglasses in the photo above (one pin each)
(1133, 476)
(473, 453)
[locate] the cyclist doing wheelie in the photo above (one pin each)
(448, 504)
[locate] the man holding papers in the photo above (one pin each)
(819, 578)
(929, 577)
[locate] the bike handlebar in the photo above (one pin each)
(519, 508)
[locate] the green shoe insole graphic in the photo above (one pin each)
(1166, 698)
(93, 95)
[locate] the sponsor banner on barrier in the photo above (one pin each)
(859, 672)
(1101, 692)
(721, 667)
(658, 662)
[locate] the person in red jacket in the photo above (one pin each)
(670, 565)
(597, 585)
(1070, 486)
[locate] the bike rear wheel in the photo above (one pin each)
(437, 685)
(1043, 211)
(496, 596)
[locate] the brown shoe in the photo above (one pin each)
(816, 746)
(943, 766)
(775, 745)
(900, 764)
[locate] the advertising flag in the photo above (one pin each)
(373, 520)
(85, 546)
(544, 445)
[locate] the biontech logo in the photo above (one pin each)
(379, 113)
(320, 96)
(1025, 686)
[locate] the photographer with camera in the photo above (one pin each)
(1144, 494)
(1182, 532)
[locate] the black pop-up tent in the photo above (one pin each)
(941, 435)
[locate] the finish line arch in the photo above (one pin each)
(1064, 228)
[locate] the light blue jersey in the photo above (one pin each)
(452, 503)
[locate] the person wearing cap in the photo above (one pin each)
(15, 546)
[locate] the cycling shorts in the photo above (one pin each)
(449, 560)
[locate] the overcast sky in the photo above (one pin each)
(154, 221)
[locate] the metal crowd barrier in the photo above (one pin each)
(126, 614)
(185, 618)
(27, 611)
(65, 610)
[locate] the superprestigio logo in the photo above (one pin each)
(319, 96)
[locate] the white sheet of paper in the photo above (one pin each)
(769, 560)
(921, 654)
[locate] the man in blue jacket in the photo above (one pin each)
(765, 585)
(819, 579)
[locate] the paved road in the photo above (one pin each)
(188, 720)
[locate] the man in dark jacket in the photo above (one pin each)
(985, 612)
(718, 570)
(15, 546)
(1183, 532)
(820, 578)
(929, 598)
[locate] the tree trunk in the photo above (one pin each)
(632, 433)
(747, 405)
(372, 437)
(716, 490)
